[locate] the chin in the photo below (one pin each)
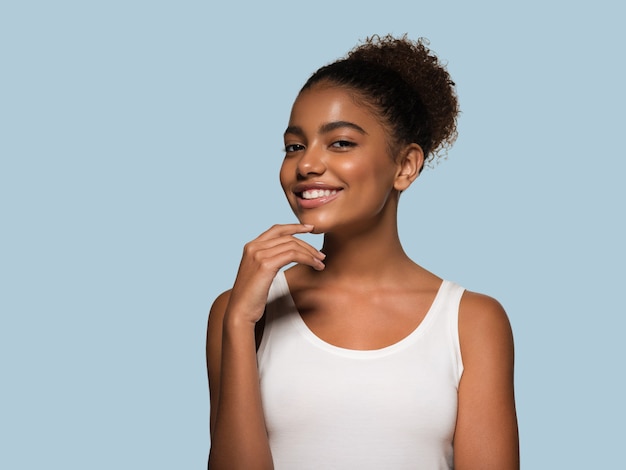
(318, 226)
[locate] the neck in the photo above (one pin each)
(365, 253)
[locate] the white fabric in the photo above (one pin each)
(333, 408)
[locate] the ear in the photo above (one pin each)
(410, 163)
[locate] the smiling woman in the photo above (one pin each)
(336, 152)
(357, 357)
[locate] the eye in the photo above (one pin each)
(290, 148)
(341, 144)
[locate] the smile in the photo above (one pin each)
(317, 193)
(311, 198)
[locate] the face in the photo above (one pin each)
(337, 172)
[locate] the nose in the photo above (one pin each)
(311, 162)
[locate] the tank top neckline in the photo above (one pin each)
(308, 334)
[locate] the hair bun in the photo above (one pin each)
(424, 73)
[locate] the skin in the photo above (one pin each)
(334, 142)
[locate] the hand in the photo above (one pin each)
(262, 258)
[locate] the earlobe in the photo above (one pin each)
(409, 166)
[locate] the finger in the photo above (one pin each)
(280, 230)
(286, 240)
(279, 256)
(272, 258)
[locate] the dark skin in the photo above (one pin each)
(360, 291)
(238, 436)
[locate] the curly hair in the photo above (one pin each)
(408, 87)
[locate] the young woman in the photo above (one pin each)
(356, 357)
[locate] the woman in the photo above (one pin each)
(356, 357)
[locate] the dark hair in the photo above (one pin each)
(407, 87)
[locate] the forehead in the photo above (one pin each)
(322, 104)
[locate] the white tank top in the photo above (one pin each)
(328, 407)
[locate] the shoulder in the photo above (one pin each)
(486, 432)
(484, 327)
(214, 329)
(218, 308)
(216, 319)
(481, 308)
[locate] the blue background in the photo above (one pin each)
(140, 144)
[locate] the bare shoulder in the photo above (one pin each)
(214, 349)
(214, 327)
(486, 433)
(214, 330)
(480, 307)
(220, 303)
(483, 325)
(218, 308)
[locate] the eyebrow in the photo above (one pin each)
(328, 127)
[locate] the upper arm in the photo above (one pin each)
(214, 350)
(486, 434)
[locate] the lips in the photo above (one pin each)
(311, 196)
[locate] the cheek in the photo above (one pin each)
(284, 173)
(370, 174)
(355, 170)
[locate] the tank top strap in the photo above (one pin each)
(448, 313)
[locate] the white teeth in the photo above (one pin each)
(316, 193)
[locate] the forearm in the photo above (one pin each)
(239, 438)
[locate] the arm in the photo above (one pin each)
(486, 436)
(238, 434)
